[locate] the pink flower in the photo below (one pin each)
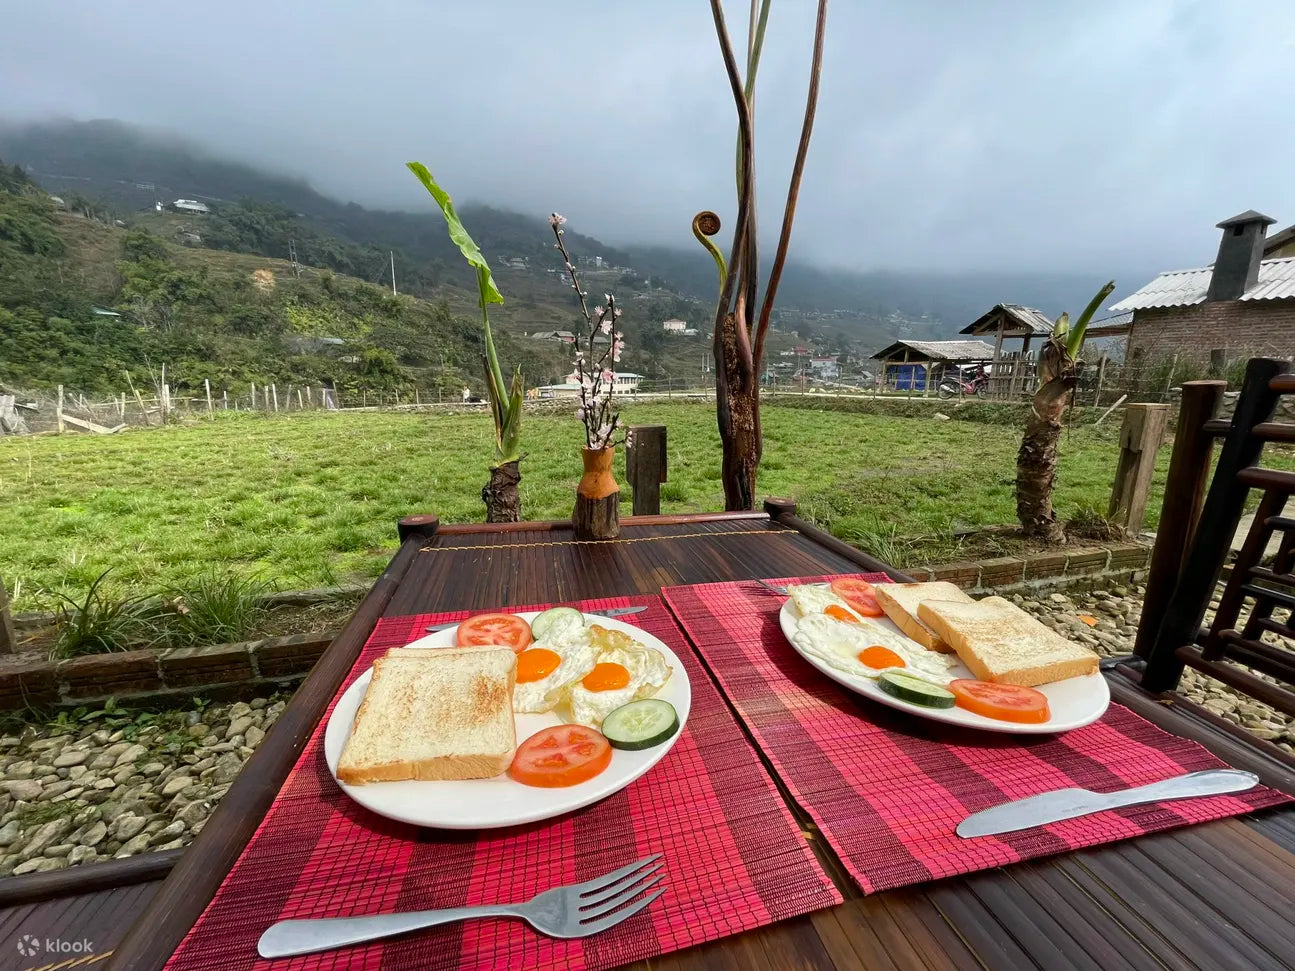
(606, 326)
(598, 311)
(586, 382)
(607, 298)
(580, 414)
(557, 220)
(607, 376)
(617, 312)
(603, 433)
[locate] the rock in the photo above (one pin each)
(173, 845)
(220, 747)
(1058, 598)
(77, 771)
(47, 835)
(126, 826)
(135, 845)
(131, 754)
(9, 832)
(105, 784)
(192, 813)
(226, 769)
(81, 854)
(239, 725)
(256, 704)
(152, 769)
(72, 757)
(238, 709)
(253, 736)
(177, 783)
(108, 757)
(29, 867)
(125, 773)
(21, 770)
(47, 864)
(27, 790)
(94, 835)
(237, 742)
(62, 849)
(57, 788)
(167, 833)
(198, 729)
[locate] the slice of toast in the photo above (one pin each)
(900, 602)
(1000, 642)
(434, 714)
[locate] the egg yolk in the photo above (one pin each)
(606, 676)
(840, 613)
(535, 664)
(880, 657)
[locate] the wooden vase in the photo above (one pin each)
(597, 511)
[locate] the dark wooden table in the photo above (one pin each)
(1211, 896)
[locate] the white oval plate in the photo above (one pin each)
(491, 803)
(1074, 702)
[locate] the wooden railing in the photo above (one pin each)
(1195, 538)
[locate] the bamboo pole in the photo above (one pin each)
(58, 410)
(274, 393)
(300, 405)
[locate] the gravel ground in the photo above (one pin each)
(112, 784)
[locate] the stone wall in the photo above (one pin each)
(1244, 328)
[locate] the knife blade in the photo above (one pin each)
(1052, 807)
(608, 612)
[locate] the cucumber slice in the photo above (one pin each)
(915, 691)
(641, 724)
(552, 616)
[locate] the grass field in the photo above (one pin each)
(312, 499)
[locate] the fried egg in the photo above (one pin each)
(845, 647)
(816, 598)
(550, 665)
(626, 671)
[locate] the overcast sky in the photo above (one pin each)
(999, 134)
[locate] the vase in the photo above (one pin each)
(597, 511)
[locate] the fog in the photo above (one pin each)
(1006, 135)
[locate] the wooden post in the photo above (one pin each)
(1218, 362)
(1140, 438)
(310, 396)
(254, 396)
(121, 408)
(645, 466)
(417, 403)
(423, 526)
(1101, 377)
(58, 409)
(274, 393)
(206, 385)
(224, 398)
(997, 381)
(8, 640)
(1189, 473)
(300, 405)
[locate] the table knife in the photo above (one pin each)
(1052, 807)
(609, 612)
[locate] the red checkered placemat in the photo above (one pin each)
(734, 857)
(887, 788)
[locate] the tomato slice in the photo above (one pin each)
(858, 594)
(502, 630)
(563, 755)
(1006, 702)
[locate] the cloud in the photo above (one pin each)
(1009, 136)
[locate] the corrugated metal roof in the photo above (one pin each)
(942, 350)
(1182, 288)
(1035, 321)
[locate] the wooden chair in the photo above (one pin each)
(1195, 538)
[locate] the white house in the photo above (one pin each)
(675, 326)
(626, 382)
(191, 206)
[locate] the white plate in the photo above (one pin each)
(490, 803)
(1074, 702)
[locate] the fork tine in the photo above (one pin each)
(611, 920)
(606, 893)
(609, 904)
(598, 883)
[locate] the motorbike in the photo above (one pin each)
(953, 385)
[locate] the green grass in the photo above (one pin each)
(314, 498)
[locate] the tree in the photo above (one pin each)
(741, 321)
(503, 504)
(1036, 463)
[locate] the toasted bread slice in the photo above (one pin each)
(434, 714)
(1000, 642)
(900, 600)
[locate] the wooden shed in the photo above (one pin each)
(1014, 368)
(919, 365)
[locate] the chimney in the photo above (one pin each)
(1236, 269)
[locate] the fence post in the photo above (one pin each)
(1218, 362)
(206, 385)
(1101, 378)
(224, 397)
(58, 409)
(8, 640)
(274, 391)
(645, 466)
(1140, 438)
(300, 405)
(1189, 472)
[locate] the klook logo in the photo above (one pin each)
(29, 945)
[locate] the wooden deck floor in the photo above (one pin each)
(1210, 896)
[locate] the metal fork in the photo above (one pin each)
(781, 591)
(577, 910)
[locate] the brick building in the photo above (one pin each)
(1243, 303)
